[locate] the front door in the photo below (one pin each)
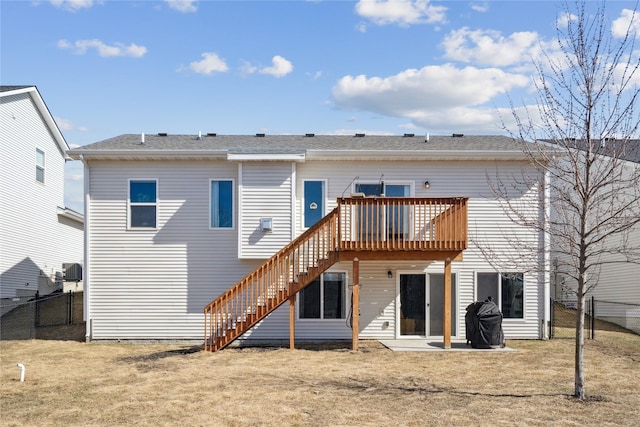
(413, 304)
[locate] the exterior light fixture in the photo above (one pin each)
(427, 185)
(389, 274)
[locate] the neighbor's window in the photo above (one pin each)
(39, 165)
(143, 203)
(313, 202)
(221, 204)
(505, 289)
(324, 297)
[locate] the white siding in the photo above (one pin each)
(34, 240)
(618, 280)
(153, 284)
(266, 193)
(488, 226)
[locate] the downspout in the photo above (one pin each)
(544, 333)
(86, 312)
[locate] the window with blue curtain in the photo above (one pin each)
(221, 204)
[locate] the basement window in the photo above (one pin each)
(324, 298)
(505, 289)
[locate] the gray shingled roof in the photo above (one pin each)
(369, 144)
(628, 150)
(10, 88)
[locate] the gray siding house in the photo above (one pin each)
(186, 231)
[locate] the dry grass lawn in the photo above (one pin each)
(72, 383)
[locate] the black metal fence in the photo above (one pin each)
(24, 319)
(599, 315)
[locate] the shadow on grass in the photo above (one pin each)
(162, 354)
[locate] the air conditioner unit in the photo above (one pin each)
(72, 272)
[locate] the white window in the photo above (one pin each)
(506, 289)
(221, 204)
(39, 165)
(143, 207)
(324, 298)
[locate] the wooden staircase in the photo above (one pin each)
(266, 288)
(398, 228)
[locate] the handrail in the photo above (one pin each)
(271, 284)
(356, 224)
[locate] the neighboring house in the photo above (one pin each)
(618, 280)
(176, 221)
(38, 234)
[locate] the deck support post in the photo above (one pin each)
(447, 304)
(355, 305)
(292, 321)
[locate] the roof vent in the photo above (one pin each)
(408, 135)
(360, 135)
(457, 135)
(260, 135)
(162, 134)
(199, 135)
(142, 138)
(212, 134)
(310, 135)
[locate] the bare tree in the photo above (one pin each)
(582, 138)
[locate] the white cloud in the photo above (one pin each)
(488, 47)
(480, 7)
(247, 68)
(564, 19)
(280, 67)
(184, 6)
(72, 5)
(629, 21)
(401, 12)
(209, 64)
(117, 49)
(314, 76)
(431, 95)
(66, 125)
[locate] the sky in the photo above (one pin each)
(106, 68)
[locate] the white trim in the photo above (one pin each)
(294, 195)
(155, 204)
(86, 279)
(239, 209)
(261, 157)
(233, 203)
(71, 214)
(46, 115)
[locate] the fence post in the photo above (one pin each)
(551, 319)
(70, 308)
(593, 317)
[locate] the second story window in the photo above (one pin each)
(143, 203)
(221, 204)
(39, 165)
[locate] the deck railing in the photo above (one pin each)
(400, 223)
(358, 224)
